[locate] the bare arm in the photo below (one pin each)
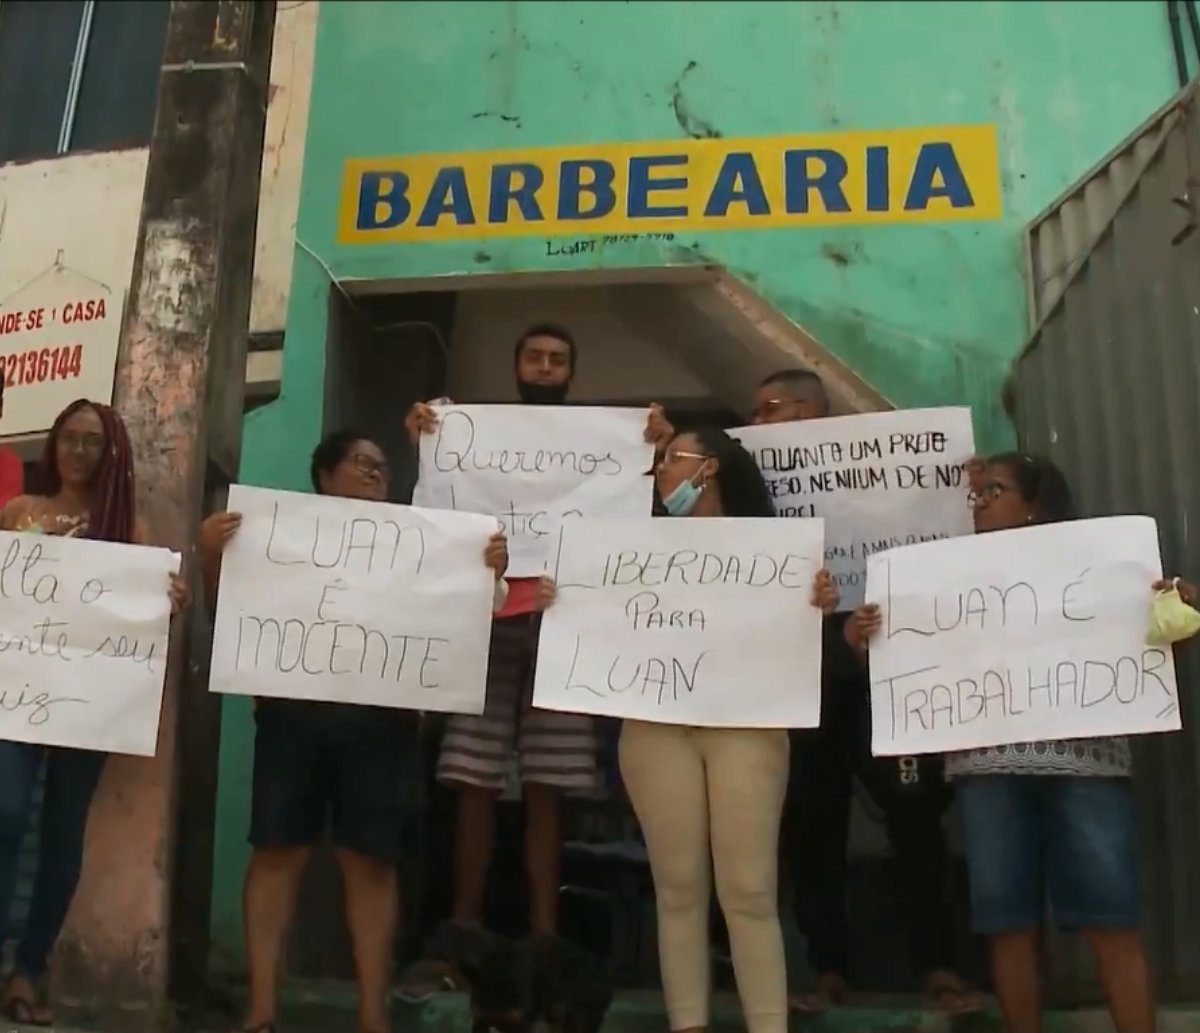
(13, 512)
(215, 533)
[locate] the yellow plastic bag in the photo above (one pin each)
(1171, 619)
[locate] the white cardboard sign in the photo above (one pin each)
(879, 480)
(534, 466)
(352, 601)
(685, 621)
(1019, 636)
(83, 642)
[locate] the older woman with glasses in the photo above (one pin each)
(1045, 819)
(356, 767)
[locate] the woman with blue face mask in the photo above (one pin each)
(710, 800)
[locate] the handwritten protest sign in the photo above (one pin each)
(352, 601)
(1018, 636)
(83, 642)
(534, 466)
(698, 622)
(879, 480)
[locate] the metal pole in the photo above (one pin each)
(67, 129)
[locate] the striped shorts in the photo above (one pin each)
(548, 747)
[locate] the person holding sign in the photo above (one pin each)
(313, 760)
(556, 751)
(711, 799)
(910, 791)
(88, 485)
(1047, 817)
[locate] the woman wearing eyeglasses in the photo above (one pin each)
(1056, 816)
(315, 761)
(711, 799)
(87, 492)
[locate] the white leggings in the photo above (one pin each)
(710, 801)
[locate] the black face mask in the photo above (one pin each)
(542, 394)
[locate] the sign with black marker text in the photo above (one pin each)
(694, 622)
(534, 466)
(83, 642)
(352, 601)
(1018, 636)
(879, 480)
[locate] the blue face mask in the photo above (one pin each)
(682, 500)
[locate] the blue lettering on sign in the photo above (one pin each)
(382, 189)
(798, 181)
(448, 196)
(641, 184)
(878, 187)
(737, 181)
(937, 174)
(571, 189)
(667, 185)
(503, 190)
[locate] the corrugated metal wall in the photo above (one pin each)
(1108, 386)
(1058, 238)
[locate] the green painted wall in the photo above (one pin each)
(930, 313)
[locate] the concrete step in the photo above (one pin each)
(330, 1010)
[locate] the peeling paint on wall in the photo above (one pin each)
(170, 273)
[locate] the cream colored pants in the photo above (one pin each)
(710, 801)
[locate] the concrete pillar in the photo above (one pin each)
(179, 385)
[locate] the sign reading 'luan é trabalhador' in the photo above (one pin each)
(939, 174)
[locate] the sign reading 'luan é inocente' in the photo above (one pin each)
(886, 176)
(352, 601)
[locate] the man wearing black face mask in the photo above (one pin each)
(556, 751)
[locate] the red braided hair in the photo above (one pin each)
(111, 516)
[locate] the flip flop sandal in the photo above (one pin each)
(20, 1011)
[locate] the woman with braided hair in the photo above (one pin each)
(87, 492)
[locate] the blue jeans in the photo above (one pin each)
(71, 777)
(1072, 837)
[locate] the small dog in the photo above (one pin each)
(517, 986)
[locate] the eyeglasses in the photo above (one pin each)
(369, 466)
(87, 442)
(987, 493)
(672, 457)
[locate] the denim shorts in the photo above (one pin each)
(1072, 839)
